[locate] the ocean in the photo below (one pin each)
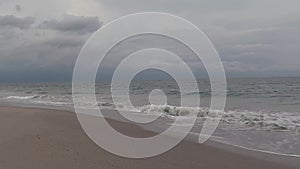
(261, 113)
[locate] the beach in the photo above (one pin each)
(170, 84)
(44, 138)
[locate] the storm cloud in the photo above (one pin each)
(48, 47)
(43, 38)
(17, 22)
(70, 23)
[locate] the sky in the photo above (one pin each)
(40, 39)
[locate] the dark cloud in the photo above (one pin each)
(48, 51)
(18, 8)
(253, 38)
(40, 54)
(65, 41)
(70, 23)
(17, 22)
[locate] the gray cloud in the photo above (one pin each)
(253, 38)
(40, 50)
(18, 8)
(17, 22)
(70, 23)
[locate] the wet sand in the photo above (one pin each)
(36, 138)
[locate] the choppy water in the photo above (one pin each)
(262, 113)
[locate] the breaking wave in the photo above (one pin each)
(240, 119)
(23, 97)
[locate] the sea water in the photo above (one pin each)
(260, 113)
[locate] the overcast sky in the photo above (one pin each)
(40, 39)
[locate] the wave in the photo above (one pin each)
(173, 110)
(37, 99)
(238, 119)
(51, 103)
(279, 121)
(23, 97)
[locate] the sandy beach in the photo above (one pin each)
(53, 139)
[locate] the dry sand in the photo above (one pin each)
(32, 138)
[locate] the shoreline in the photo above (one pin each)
(55, 137)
